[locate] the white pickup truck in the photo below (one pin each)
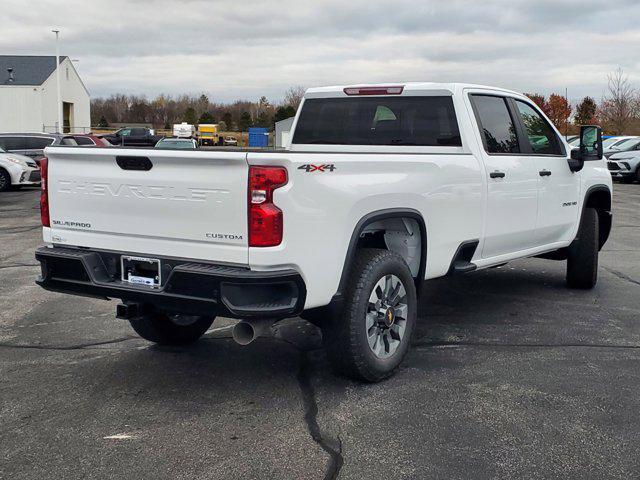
(382, 187)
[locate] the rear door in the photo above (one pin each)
(138, 137)
(124, 135)
(512, 181)
(558, 187)
(150, 202)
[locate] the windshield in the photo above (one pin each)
(609, 142)
(175, 145)
(625, 143)
(2, 150)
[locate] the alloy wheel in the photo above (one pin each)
(386, 317)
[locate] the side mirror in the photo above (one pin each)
(576, 163)
(590, 147)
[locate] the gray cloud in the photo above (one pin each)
(246, 49)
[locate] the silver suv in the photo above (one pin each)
(33, 144)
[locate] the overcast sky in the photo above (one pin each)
(245, 48)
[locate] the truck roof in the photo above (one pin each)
(407, 87)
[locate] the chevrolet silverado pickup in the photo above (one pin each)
(381, 188)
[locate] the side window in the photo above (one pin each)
(69, 141)
(496, 124)
(138, 132)
(541, 136)
(125, 132)
(37, 143)
(84, 141)
(12, 143)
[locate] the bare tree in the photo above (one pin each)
(293, 96)
(619, 105)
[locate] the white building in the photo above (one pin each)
(28, 95)
(283, 132)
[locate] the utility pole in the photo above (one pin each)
(566, 120)
(60, 126)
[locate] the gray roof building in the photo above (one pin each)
(29, 99)
(26, 69)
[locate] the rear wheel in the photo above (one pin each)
(369, 340)
(5, 180)
(174, 329)
(582, 261)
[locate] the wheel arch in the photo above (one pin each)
(377, 216)
(599, 197)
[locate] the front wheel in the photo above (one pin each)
(582, 261)
(372, 335)
(5, 180)
(174, 329)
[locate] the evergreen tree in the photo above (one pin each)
(206, 117)
(245, 122)
(586, 112)
(190, 115)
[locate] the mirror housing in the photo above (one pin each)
(575, 162)
(590, 147)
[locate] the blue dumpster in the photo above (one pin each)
(258, 137)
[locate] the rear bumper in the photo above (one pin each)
(190, 287)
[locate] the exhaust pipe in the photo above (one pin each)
(246, 331)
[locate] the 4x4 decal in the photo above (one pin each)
(318, 168)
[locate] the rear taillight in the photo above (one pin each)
(44, 195)
(265, 219)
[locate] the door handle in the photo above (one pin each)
(134, 163)
(497, 174)
(544, 173)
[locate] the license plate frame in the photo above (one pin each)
(141, 270)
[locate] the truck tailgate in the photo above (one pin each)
(186, 204)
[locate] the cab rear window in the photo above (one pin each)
(419, 121)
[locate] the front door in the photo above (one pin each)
(512, 179)
(558, 187)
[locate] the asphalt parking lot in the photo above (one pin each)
(511, 376)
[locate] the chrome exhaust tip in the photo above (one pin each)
(245, 332)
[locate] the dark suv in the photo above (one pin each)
(133, 137)
(33, 144)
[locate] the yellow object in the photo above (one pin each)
(208, 134)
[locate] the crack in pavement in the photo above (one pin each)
(21, 229)
(336, 459)
(69, 347)
(20, 265)
(333, 447)
(446, 343)
(621, 275)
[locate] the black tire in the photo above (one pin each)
(5, 180)
(345, 338)
(637, 174)
(161, 329)
(582, 261)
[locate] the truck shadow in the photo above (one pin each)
(490, 306)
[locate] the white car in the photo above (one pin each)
(625, 166)
(17, 170)
(171, 143)
(381, 188)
